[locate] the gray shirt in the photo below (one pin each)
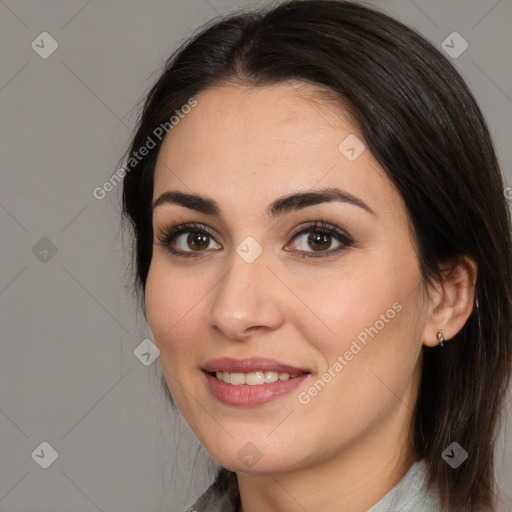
(408, 495)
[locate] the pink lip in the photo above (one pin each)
(254, 364)
(246, 395)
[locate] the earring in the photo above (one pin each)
(440, 337)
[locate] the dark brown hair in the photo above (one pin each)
(422, 124)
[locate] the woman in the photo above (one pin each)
(323, 253)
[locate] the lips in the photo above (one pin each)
(255, 364)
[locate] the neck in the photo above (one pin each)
(353, 479)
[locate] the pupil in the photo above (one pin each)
(198, 240)
(320, 239)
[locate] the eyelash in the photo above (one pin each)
(169, 233)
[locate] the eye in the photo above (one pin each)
(194, 239)
(184, 237)
(320, 237)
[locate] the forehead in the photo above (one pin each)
(259, 119)
(253, 143)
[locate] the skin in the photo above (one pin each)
(345, 449)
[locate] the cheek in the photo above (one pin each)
(170, 308)
(169, 303)
(372, 317)
(348, 303)
(368, 362)
(157, 299)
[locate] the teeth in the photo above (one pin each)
(270, 376)
(237, 378)
(253, 378)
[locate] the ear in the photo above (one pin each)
(451, 301)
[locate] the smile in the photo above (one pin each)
(253, 378)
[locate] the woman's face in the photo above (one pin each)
(342, 304)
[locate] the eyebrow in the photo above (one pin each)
(280, 206)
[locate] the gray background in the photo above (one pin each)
(68, 374)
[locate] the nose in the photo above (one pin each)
(247, 300)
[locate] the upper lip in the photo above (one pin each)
(253, 364)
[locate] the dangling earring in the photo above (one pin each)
(440, 337)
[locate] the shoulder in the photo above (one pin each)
(411, 494)
(221, 496)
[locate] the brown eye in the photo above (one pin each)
(195, 239)
(186, 239)
(317, 239)
(192, 241)
(198, 240)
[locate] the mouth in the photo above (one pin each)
(253, 371)
(250, 382)
(254, 378)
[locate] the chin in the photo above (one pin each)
(255, 460)
(261, 467)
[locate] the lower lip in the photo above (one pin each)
(245, 394)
